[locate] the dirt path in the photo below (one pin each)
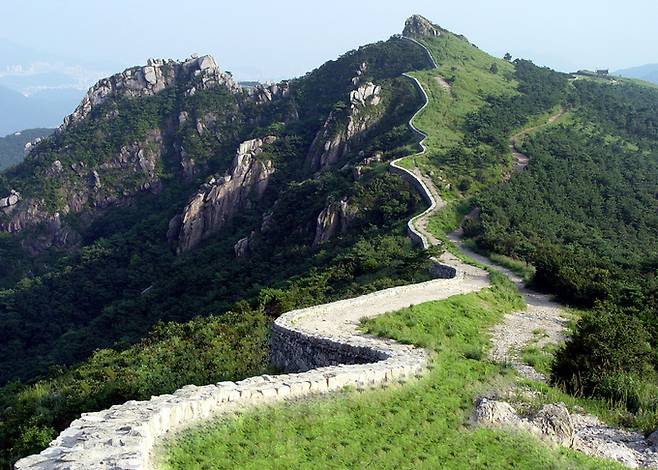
(543, 317)
(443, 83)
(521, 160)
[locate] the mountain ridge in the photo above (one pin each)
(329, 223)
(648, 72)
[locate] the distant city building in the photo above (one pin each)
(603, 72)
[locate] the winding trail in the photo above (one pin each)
(520, 160)
(320, 348)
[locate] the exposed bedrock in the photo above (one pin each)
(217, 202)
(344, 129)
(198, 73)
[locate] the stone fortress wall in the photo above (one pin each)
(316, 360)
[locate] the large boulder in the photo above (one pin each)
(419, 26)
(495, 413)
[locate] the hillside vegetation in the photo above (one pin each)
(584, 213)
(412, 425)
(12, 146)
(581, 218)
(73, 317)
(99, 305)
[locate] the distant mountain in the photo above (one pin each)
(12, 147)
(27, 70)
(46, 108)
(647, 72)
(38, 88)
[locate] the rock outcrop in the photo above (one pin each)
(243, 246)
(81, 188)
(335, 218)
(552, 422)
(359, 168)
(31, 145)
(343, 129)
(218, 201)
(419, 26)
(198, 73)
(10, 201)
(264, 93)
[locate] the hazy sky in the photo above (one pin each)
(279, 39)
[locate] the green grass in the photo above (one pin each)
(519, 267)
(468, 68)
(450, 217)
(539, 358)
(421, 424)
(525, 270)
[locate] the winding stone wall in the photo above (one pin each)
(123, 436)
(319, 360)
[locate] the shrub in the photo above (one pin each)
(607, 347)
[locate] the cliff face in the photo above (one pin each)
(217, 202)
(343, 129)
(97, 160)
(334, 219)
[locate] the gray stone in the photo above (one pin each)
(419, 26)
(495, 413)
(216, 203)
(554, 422)
(653, 439)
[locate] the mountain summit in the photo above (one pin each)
(419, 26)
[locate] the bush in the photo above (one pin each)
(607, 347)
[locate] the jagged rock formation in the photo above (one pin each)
(198, 72)
(217, 202)
(80, 187)
(335, 218)
(264, 93)
(419, 26)
(342, 129)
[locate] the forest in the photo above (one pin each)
(121, 317)
(585, 214)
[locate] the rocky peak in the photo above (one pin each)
(216, 203)
(151, 79)
(419, 26)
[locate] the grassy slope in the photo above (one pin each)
(420, 425)
(443, 118)
(423, 424)
(473, 82)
